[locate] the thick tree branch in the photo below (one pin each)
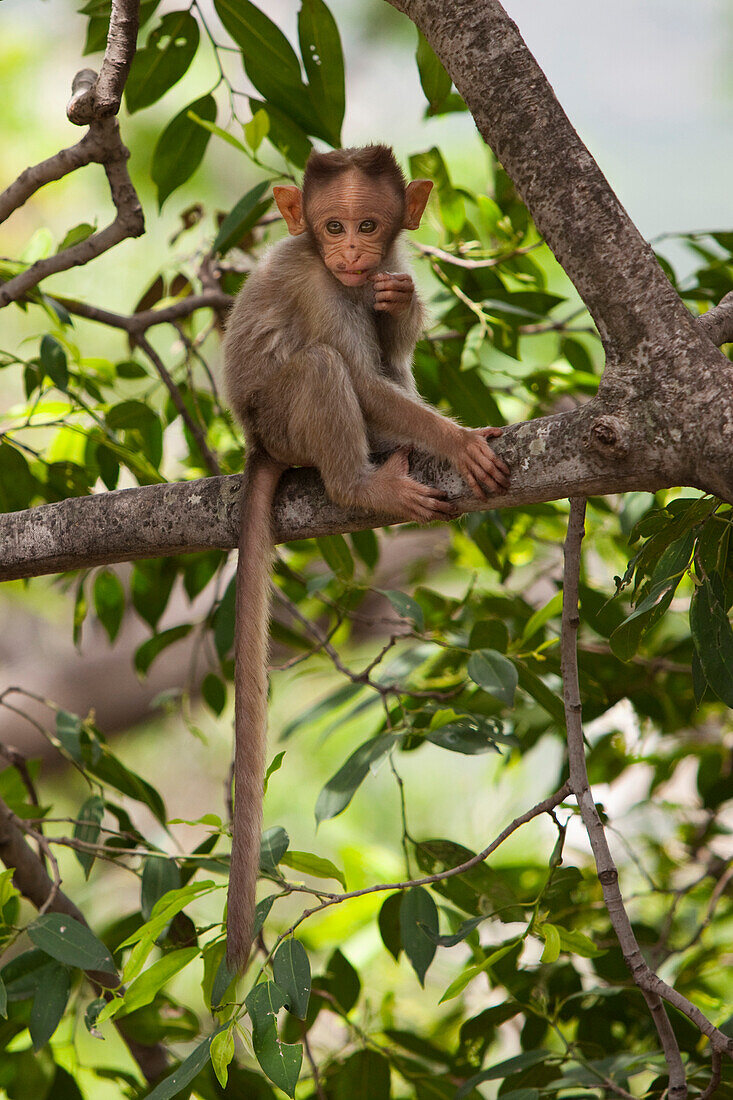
(657, 355)
(552, 457)
(34, 883)
(651, 986)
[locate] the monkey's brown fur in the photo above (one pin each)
(318, 364)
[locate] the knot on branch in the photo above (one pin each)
(609, 877)
(610, 434)
(80, 108)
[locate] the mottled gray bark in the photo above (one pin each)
(663, 377)
(557, 456)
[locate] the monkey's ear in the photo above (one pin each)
(416, 197)
(290, 204)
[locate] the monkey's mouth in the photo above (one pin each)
(352, 276)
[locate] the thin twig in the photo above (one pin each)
(336, 899)
(461, 261)
(206, 453)
(716, 1066)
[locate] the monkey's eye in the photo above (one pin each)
(368, 226)
(334, 227)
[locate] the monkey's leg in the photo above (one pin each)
(312, 417)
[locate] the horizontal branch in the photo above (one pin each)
(551, 458)
(136, 323)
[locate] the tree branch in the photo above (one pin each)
(717, 323)
(34, 883)
(101, 97)
(652, 342)
(570, 453)
(105, 146)
(651, 986)
(137, 323)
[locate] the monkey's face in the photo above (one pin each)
(354, 220)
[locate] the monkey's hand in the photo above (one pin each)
(393, 292)
(477, 464)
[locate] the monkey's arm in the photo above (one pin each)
(389, 409)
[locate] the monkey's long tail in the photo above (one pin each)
(250, 688)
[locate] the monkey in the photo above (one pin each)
(318, 369)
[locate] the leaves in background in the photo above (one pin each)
(181, 147)
(166, 56)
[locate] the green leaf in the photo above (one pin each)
(184, 1074)
(389, 924)
(17, 483)
(257, 129)
(530, 682)
(214, 692)
(181, 147)
(366, 545)
(262, 912)
(49, 1004)
(364, 1075)
(472, 972)
(271, 64)
(713, 638)
(320, 46)
(76, 235)
(273, 846)
(142, 990)
(551, 936)
(130, 414)
(292, 973)
(468, 735)
(317, 866)
(494, 673)
(53, 361)
(505, 1069)
(551, 609)
(436, 83)
(274, 766)
(337, 555)
(418, 912)
(64, 1087)
(341, 787)
(577, 943)
(70, 942)
(110, 770)
(287, 137)
(405, 606)
(341, 981)
(86, 829)
(3, 999)
(167, 54)
(222, 1052)
(280, 1061)
(469, 396)
(160, 875)
(148, 651)
(109, 601)
(239, 219)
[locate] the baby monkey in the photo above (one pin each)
(318, 366)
